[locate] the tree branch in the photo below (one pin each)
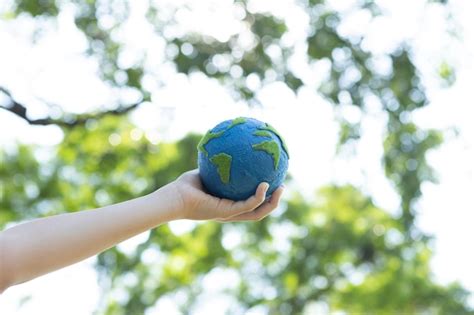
(68, 120)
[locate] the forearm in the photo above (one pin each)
(41, 246)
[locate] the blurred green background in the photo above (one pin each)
(338, 252)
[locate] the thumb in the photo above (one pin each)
(251, 203)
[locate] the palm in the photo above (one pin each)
(198, 205)
(193, 191)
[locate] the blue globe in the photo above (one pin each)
(238, 154)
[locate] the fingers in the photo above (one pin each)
(251, 203)
(262, 211)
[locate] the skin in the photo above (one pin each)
(38, 247)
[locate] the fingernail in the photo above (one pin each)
(266, 186)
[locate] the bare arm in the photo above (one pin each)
(38, 247)
(43, 245)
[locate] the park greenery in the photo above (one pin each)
(339, 251)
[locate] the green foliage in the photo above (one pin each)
(341, 250)
(325, 38)
(406, 165)
(267, 25)
(447, 74)
(35, 8)
(25, 184)
(348, 132)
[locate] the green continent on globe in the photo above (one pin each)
(222, 161)
(262, 133)
(237, 121)
(208, 137)
(211, 135)
(270, 128)
(272, 148)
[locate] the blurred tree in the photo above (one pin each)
(341, 253)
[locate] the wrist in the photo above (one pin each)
(168, 199)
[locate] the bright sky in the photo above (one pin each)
(55, 70)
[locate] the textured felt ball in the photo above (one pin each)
(236, 155)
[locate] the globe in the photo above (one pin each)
(238, 154)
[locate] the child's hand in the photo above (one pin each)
(195, 204)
